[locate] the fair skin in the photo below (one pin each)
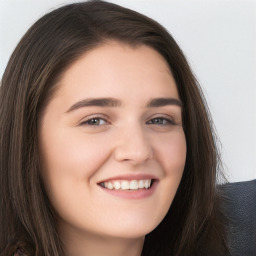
(89, 148)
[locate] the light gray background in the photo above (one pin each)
(219, 40)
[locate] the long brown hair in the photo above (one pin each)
(194, 223)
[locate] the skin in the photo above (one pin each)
(127, 139)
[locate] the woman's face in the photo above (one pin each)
(112, 143)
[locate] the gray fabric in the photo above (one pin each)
(240, 206)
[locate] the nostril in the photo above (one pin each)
(134, 154)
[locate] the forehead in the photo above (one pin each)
(115, 68)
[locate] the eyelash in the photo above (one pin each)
(167, 121)
(88, 121)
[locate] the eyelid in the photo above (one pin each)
(167, 118)
(85, 120)
(170, 119)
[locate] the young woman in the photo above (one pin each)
(106, 141)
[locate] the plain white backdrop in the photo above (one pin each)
(218, 38)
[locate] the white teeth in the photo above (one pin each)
(109, 185)
(127, 185)
(141, 184)
(117, 185)
(147, 183)
(134, 184)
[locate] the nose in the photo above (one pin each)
(133, 146)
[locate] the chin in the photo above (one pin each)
(131, 230)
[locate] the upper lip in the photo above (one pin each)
(130, 177)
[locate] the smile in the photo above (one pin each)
(127, 184)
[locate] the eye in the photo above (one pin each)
(161, 121)
(95, 121)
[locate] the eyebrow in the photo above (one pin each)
(161, 102)
(95, 102)
(112, 102)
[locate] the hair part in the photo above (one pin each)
(194, 222)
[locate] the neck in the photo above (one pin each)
(83, 245)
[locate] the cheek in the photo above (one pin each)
(76, 155)
(173, 158)
(69, 163)
(171, 151)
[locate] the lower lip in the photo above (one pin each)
(132, 194)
